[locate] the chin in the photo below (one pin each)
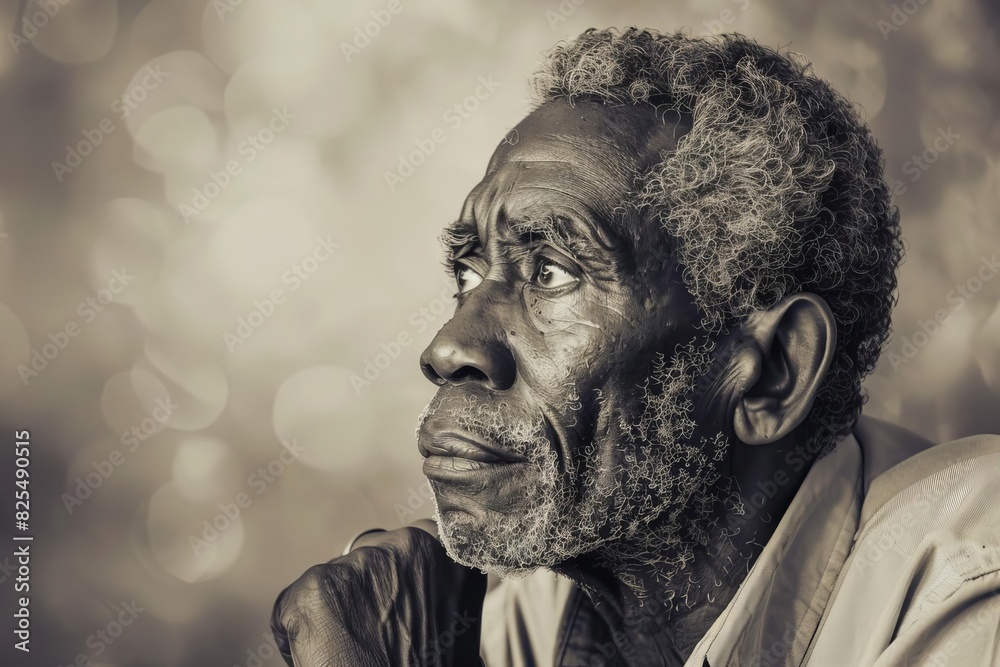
(542, 530)
(474, 544)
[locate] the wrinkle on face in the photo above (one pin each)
(600, 406)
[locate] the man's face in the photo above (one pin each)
(562, 424)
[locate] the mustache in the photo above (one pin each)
(511, 428)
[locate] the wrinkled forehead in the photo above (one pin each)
(584, 156)
(633, 135)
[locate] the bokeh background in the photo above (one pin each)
(180, 365)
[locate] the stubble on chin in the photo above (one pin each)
(656, 505)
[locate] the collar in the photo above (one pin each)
(777, 609)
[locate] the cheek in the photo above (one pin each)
(589, 363)
(562, 313)
(567, 340)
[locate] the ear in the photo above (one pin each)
(783, 358)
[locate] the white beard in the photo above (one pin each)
(654, 509)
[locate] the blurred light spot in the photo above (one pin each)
(230, 38)
(319, 408)
(857, 70)
(79, 32)
(186, 304)
(150, 389)
(176, 138)
(90, 469)
(15, 350)
(289, 169)
(950, 32)
(257, 247)
(197, 385)
(173, 79)
(161, 24)
(121, 406)
(325, 98)
(133, 238)
(192, 541)
(205, 469)
(335, 15)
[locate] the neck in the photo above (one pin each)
(659, 603)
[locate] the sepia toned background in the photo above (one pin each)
(218, 267)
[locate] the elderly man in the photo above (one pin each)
(672, 280)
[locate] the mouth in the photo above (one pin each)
(462, 446)
(460, 458)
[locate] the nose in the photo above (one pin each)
(458, 355)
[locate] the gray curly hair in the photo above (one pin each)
(777, 188)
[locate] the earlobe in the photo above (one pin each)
(786, 353)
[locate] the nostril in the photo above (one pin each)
(431, 374)
(469, 373)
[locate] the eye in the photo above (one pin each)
(466, 278)
(551, 276)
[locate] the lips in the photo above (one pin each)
(455, 459)
(461, 446)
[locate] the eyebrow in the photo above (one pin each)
(459, 238)
(579, 236)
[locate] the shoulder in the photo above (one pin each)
(928, 545)
(953, 470)
(923, 574)
(940, 504)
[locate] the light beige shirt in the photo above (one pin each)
(882, 559)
